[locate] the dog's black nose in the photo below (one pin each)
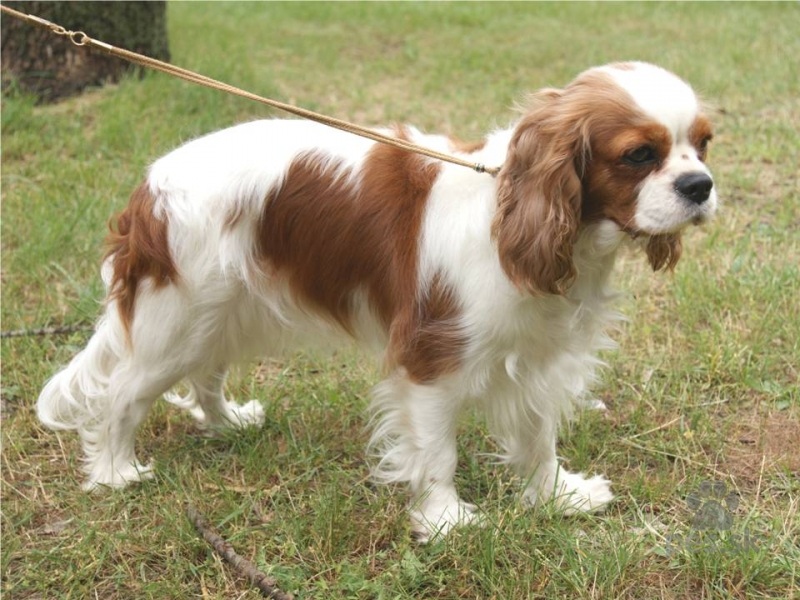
(695, 187)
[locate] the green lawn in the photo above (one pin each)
(704, 387)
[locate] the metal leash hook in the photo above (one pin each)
(79, 38)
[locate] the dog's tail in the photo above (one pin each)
(75, 395)
(137, 249)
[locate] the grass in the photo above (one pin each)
(703, 388)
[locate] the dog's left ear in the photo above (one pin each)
(539, 197)
(663, 251)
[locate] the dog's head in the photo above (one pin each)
(624, 143)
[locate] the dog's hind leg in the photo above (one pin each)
(104, 394)
(109, 443)
(207, 403)
(108, 389)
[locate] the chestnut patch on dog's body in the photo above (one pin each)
(333, 234)
(434, 341)
(332, 237)
(138, 243)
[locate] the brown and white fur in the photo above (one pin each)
(479, 291)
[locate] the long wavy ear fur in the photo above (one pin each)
(539, 197)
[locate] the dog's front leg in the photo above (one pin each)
(415, 436)
(547, 479)
(527, 432)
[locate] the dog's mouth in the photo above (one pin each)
(695, 216)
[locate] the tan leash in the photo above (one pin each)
(79, 38)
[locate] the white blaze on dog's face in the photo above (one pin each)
(678, 189)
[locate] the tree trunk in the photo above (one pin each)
(51, 67)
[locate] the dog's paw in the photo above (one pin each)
(105, 476)
(246, 415)
(228, 415)
(578, 494)
(594, 404)
(573, 493)
(432, 521)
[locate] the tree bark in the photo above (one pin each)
(51, 67)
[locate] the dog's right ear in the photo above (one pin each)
(539, 197)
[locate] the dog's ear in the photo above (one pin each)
(663, 251)
(539, 197)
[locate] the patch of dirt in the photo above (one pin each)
(763, 444)
(268, 371)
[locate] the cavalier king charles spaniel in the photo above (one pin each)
(479, 291)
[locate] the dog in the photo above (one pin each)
(479, 291)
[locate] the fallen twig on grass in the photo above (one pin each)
(267, 585)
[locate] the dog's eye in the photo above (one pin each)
(643, 155)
